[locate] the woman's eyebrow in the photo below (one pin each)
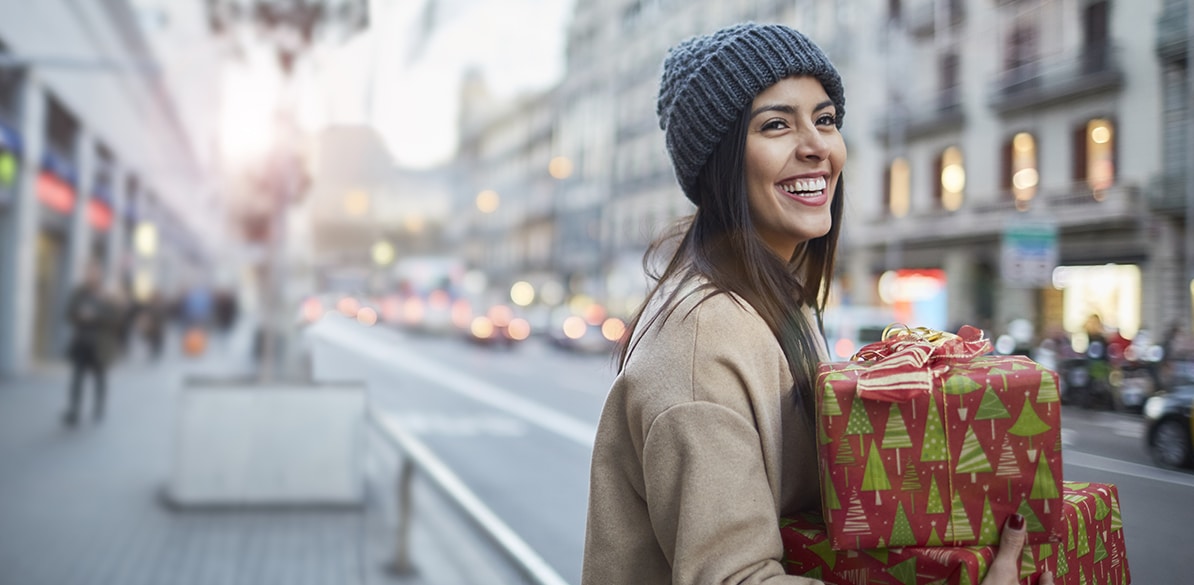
(786, 109)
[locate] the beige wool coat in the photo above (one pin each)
(699, 450)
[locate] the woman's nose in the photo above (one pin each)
(811, 145)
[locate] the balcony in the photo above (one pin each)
(1043, 82)
(922, 17)
(921, 116)
(1167, 194)
(1172, 31)
(1076, 206)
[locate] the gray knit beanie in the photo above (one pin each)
(708, 80)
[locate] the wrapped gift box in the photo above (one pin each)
(1093, 551)
(939, 450)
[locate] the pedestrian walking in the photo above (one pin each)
(96, 317)
(707, 435)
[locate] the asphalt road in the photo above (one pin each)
(517, 426)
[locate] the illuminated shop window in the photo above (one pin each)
(1021, 176)
(1100, 154)
(899, 188)
(951, 182)
(1094, 155)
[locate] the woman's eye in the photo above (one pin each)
(826, 120)
(775, 125)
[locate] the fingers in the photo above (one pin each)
(1005, 568)
(1046, 578)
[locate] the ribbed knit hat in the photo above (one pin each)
(708, 80)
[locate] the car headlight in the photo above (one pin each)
(1154, 407)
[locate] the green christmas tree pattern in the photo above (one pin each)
(1101, 508)
(1082, 541)
(815, 573)
(1043, 485)
(874, 476)
(1027, 562)
(988, 532)
(824, 550)
(964, 578)
(845, 454)
(904, 572)
(901, 529)
(1100, 549)
(991, 408)
(1070, 538)
(829, 404)
(1117, 522)
(911, 483)
(860, 422)
(959, 384)
(1031, 522)
(1063, 564)
(831, 501)
(895, 434)
(1047, 393)
(935, 505)
(1028, 424)
(973, 459)
(822, 435)
(934, 538)
(1046, 550)
(933, 446)
(959, 528)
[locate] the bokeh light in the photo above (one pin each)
(522, 293)
(574, 327)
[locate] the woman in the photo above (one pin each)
(707, 435)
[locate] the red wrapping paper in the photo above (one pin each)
(1093, 551)
(947, 465)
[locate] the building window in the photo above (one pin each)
(951, 183)
(1021, 174)
(898, 188)
(949, 95)
(1094, 154)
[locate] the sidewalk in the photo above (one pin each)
(84, 505)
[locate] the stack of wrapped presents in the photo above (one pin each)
(927, 445)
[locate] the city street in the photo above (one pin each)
(517, 427)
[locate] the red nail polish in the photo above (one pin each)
(1016, 522)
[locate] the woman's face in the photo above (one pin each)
(794, 158)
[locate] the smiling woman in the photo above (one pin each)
(707, 437)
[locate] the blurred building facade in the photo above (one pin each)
(1018, 166)
(95, 165)
(363, 211)
(1012, 159)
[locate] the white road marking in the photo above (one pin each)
(463, 384)
(1100, 463)
(429, 423)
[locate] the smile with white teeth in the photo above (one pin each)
(805, 186)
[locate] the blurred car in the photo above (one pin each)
(1170, 436)
(591, 331)
(499, 326)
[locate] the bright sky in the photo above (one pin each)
(411, 97)
(400, 76)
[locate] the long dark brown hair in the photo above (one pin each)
(720, 244)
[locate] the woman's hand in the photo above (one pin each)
(1005, 569)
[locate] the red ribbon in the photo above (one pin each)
(907, 361)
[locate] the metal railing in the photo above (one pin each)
(416, 457)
